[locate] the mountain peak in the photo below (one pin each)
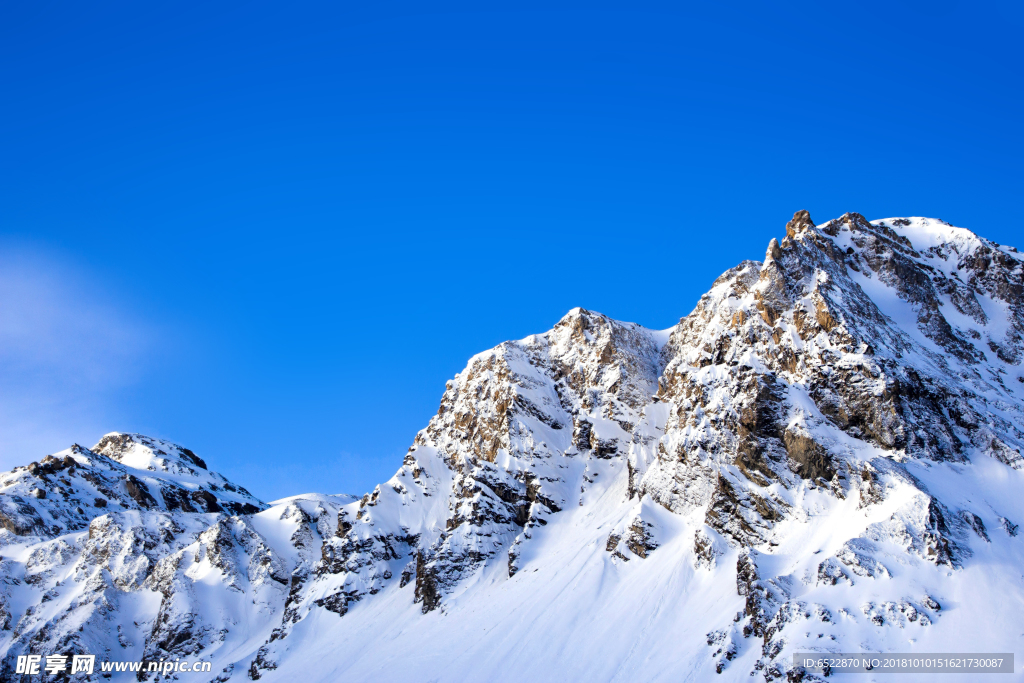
(67, 490)
(146, 453)
(823, 456)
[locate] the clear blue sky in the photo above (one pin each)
(271, 231)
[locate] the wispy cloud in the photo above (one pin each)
(66, 348)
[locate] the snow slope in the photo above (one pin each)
(825, 455)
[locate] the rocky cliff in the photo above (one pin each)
(823, 456)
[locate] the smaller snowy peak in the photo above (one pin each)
(927, 233)
(146, 453)
(65, 491)
(951, 290)
(990, 268)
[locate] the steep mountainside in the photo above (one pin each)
(825, 455)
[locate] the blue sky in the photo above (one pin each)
(272, 231)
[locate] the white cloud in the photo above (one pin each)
(65, 349)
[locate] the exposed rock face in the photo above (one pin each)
(830, 440)
(506, 451)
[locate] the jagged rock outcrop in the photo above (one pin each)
(515, 434)
(824, 450)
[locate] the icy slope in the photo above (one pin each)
(824, 455)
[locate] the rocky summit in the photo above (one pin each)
(823, 456)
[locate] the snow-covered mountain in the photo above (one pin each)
(825, 455)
